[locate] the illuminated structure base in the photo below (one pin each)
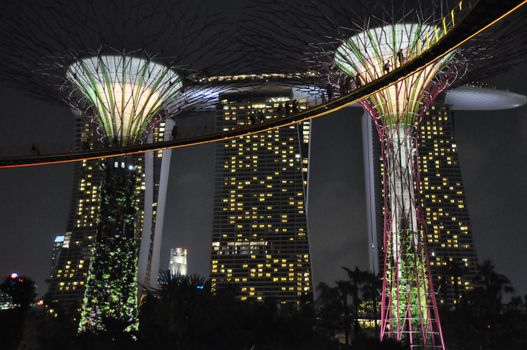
(110, 297)
(409, 311)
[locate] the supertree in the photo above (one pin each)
(124, 95)
(408, 301)
(351, 44)
(123, 65)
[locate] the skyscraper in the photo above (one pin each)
(178, 262)
(157, 169)
(449, 234)
(449, 237)
(66, 287)
(260, 231)
(55, 253)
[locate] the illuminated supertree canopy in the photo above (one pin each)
(371, 54)
(126, 93)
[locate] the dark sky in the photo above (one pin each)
(34, 202)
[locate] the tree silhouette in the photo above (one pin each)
(345, 289)
(356, 284)
(481, 320)
(330, 309)
(491, 285)
(341, 307)
(371, 292)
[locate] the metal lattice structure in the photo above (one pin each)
(285, 48)
(408, 307)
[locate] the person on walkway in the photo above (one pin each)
(329, 91)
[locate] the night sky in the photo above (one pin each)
(35, 202)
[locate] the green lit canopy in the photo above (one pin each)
(371, 54)
(125, 92)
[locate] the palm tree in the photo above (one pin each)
(344, 288)
(358, 282)
(442, 288)
(453, 270)
(490, 286)
(456, 269)
(171, 311)
(371, 291)
(333, 309)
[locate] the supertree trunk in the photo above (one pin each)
(409, 311)
(110, 299)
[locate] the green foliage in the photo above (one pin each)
(110, 298)
(181, 315)
(482, 320)
(339, 308)
(408, 289)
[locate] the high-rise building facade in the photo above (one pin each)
(67, 284)
(177, 264)
(260, 232)
(449, 236)
(157, 171)
(55, 253)
(6, 302)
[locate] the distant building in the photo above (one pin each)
(55, 253)
(260, 234)
(178, 262)
(66, 288)
(452, 255)
(156, 173)
(6, 302)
